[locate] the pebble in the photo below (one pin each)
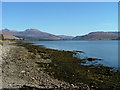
(18, 60)
(22, 71)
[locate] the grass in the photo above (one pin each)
(3, 41)
(66, 67)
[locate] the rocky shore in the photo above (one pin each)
(24, 66)
(20, 70)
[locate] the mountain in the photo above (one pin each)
(8, 35)
(99, 36)
(65, 37)
(35, 34)
(32, 34)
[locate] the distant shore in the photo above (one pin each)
(56, 66)
(70, 40)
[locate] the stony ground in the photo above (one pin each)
(19, 68)
(0, 66)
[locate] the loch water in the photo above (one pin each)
(106, 50)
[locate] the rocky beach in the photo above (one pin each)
(28, 67)
(19, 69)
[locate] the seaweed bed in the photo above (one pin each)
(67, 68)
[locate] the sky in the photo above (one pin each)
(60, 0)
(61, 18)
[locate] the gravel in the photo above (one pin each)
(19, 70)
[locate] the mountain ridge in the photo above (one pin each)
(35, 34)
(32, 34)
(99, 36)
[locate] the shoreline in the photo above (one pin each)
(65, 67)
(71, 40)
(62, 66)
(116, 68)
(20, 70)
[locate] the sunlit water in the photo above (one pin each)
(106, 50)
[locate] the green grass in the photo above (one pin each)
(66, 67)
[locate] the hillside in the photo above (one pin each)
(35, 34)
(32, 34)
(8, 35)
(65, 37)
(99, 36)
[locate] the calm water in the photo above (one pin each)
(107, 50)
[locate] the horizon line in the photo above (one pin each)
(58, 34)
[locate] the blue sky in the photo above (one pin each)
(70, 18)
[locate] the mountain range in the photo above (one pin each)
(30, 34)
(35, 34)
(99, 36)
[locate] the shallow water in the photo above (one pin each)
(107, 50)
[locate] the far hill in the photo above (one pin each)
(99, 36)
(35, 34)
(32, 34)
(8, 35)
(65, 37)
